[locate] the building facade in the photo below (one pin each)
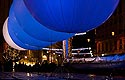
(110, 36)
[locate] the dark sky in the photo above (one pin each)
(4, 11)
(81, 40)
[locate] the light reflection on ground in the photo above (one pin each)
(64, 76)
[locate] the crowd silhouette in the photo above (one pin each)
(44, 67)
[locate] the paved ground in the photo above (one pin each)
(59, 76)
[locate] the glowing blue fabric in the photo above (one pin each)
(8, 38)
(33, 28)
(71, 15)
(20, 37)
(19, 43)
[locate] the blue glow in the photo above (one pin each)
(34, 28)
(71, 15)
(8, 38)
(19, 43)
(20, 37)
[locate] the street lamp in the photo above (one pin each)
(25, 57)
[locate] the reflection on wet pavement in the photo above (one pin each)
(65, 76)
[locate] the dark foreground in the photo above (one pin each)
(53, 72)
(59, 76)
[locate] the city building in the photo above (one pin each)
(110, 36)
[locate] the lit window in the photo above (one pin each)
(88, 40)
(113, 33)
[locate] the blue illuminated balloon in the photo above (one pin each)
(33, 28)
(21, 35)
(19, 43)
(8, 38)
(71, 15)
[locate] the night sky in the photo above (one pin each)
(81, 40)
